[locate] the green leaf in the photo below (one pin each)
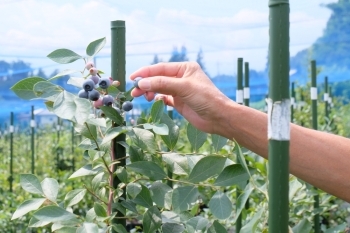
(241, 158)
(294, 187)
(34, 222)
(158, 128)
(159, 191)
(64, 73)
(50, 188)
(183, 197)
(64, 56)
(76, 81)
(337, 229)
(172, 228)
(128, 204)
(113, 133)
(144, 198)
(304, 226)
(112, 114)
(86, 170)
(122, 174)
(133, 189)
(241, 200)
(196, 137)
(218, 142)
(135, 154)
(24, 89)
(70, 107)
(53, 214)
(95, 46)
(220, 205)
(251, 226)
(233, 174)
(197, 224)
(31, 184)
(96, 121)
(171, 138)
(178, 164)
(144, 139)
(100, 210)
(27, 206)
(66, 230)
(216, 227)
(149, 169)
(88, 227)
(46, 90)
(119, 228)
(157, 110)
(74, 197)
(206, 167)
(152, 220)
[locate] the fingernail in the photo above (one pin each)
(145, 84)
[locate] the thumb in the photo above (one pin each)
(163, 85)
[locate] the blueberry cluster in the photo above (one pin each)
(90, 92)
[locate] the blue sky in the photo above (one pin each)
(225, 30)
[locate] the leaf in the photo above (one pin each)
(112, 114)
(113, 133)
(158, 128)
(76, 81)
(149, 169)
(135, 154)
(24, 88)
(50, 188)
(96, 121)
(74, 197)
(64, 56)
(196, 224)
(100, 210)
(31, 184)
(206, 167)
(251, 226)
(95, 46)
(86, 170)
(46, 90)
(241, 158)
(122, 174)
(171, 138)
(196, 137)
(159, 191)
(128, 204)
(178, 164)
(88, 227)
(144, 139)
(172, 228)
(119, 228)
(216, 227)
(157, 110)
(152, 220)
(34, 222)
(133, 189)
(218, 142)
(241, 200)
(220, 205)
(70, 107)
(64, 73)
(27, 206)
(53, 214)
(144, 198)
(233, 175)
(337, 229)
(304, 226)
(183, 197)
(294, 187)
(66, 230)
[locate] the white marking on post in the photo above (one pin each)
(292, 102)
(12, 129)
(239, 96)
(32, 123)
(246, 93)
(313, 91)
(278, 120)
(325, 97)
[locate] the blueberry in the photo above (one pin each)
(127, 106)
(136, 82)
(95, 78)
(88, 85)
(83, 94)
(94, 95)
(104, 83)
(107, 100)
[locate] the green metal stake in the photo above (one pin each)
(73, 149)
(32, 125)
(11, 130)
(330, 103)
(239, 100)
(118, 73)
(278, 116)
(58, 128)
(313, 92)
(170, 174)
(246, 90)
(325, 98)
(292, 103)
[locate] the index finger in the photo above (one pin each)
(170, 69)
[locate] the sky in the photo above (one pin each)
(224, 30)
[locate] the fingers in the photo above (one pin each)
(172, 69)
(168, 100)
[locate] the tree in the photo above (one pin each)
(177, 56)
(156, 60)
(200, 61)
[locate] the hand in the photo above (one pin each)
(184, 86)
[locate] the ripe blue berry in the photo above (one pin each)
(94, 95)
(136, 82)
(107, 100)
(88, 85)
(127, 106)
(95, 78)
(83, 94)
(104, 83)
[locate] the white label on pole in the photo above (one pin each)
(313, 91)
(330, 100)
(12, 129)
(58, 127)
(325, 97)
(239, 96)
(246, 93)
(292, 102)
(32, 123)
(169, 108)
(278, 120)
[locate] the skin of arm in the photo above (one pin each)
(319, 158)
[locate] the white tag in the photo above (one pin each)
(279, 120)
(292, 102)
(169, 108)
(12, 129)
(32, 123)
(313, 91)
(325, 97)
(239, 96)
(58, 127)
(329, 99)
(246, 93)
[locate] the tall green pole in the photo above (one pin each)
(246, 89)
(73, 148)
(170, 174)
(292, 103)
(325, 98)
(313, 92)
(32, 125)
(239, 100)
(118, 73)
(278, 116)
(11, 130)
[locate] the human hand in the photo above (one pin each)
(184, 86)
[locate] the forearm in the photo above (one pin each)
(319, 158)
